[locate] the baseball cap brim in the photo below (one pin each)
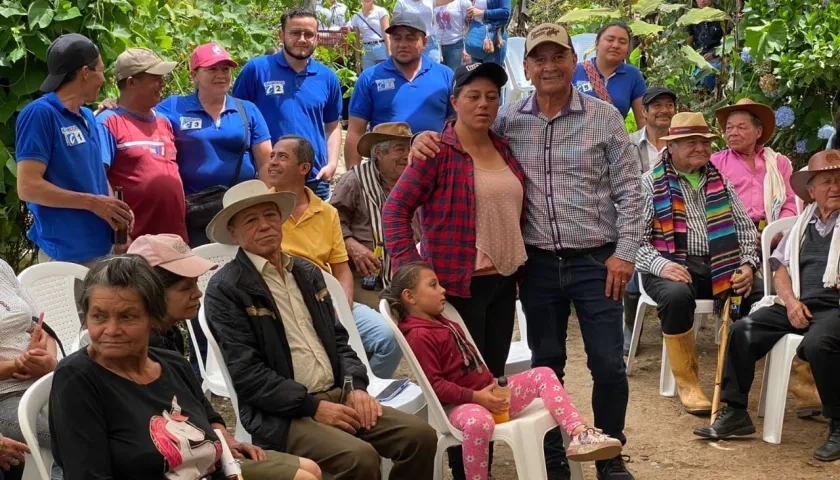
(492, 71)
(51, 83)
(162, 68)
(212, 62)
(546, 40)
(189, 267)
(395, 26)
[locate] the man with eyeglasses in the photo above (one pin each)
(298, 95)
(60, 172)
(138, 146)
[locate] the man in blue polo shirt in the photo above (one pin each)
(408, 87)
(60, 173)
(298, 95)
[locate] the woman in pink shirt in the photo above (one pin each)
(761, 176)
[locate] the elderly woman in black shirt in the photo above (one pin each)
(122, 410)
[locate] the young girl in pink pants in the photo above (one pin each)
(463, 384)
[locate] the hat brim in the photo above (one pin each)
(489, 70)
(217, 229)
(546, 40)
(162, 68)
(190, 267)
(764, 114)
(393, 27)
(667, 94)
(799, 181)
(212, 63)
(710, 136)
(370, 139)
(51, 83)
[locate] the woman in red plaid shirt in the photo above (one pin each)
(472, 200)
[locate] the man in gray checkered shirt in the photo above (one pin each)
(584, 225)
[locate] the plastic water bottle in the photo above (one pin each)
(346, 389)
(502, 391)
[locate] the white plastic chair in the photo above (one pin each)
(524, 433)
(667, 384)
(211, 370)
(241, 434)
(517, 86)
(411, 399)
(519, 355)
(774, 386)
(31, 403)
(770, 231)
(53, 287)
(582, 44)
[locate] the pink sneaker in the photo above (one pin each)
(592, 444)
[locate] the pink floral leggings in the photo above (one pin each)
(476, 422)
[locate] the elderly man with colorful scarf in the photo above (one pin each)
(807, 277)
(699, 244)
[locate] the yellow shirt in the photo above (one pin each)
(310, 361)
(316, 235)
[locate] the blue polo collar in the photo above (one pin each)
(425, 65)
(194, 105)
(56, 103)
(280, 58)
(621, 70)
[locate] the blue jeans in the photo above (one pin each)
(709, 80)
(321, 188)
(451, 54)
(475, 38)
(432, 49)
(374, 52)
(378, 339)
(550, 286)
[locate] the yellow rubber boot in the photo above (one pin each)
(802, 387)
(682, 353)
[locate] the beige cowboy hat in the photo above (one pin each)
(821, 162)
(764, 114)
(382, 133)
(244, 195)
(689, 124)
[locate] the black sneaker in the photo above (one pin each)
(830, 450)
(613, 469)
(730, 422)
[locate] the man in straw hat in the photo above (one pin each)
(288, 354)
(314, 232)
(761, 176)
(582, 230)
(359, 197)
(700, 244)
(806, 280)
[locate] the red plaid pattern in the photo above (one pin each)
(443, 187)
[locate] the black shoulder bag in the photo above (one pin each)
(204, 205)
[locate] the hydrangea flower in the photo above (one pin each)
(825, 132)
(801, 145)
(745, 55)
(785, 117)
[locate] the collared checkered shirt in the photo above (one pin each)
(649, 260)
(581, 172)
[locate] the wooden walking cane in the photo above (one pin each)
(721, 360)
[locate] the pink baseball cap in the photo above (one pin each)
(210, 54)
(171, 253)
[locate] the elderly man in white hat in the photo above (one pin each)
(288, 354)
(699, 244)
(807, 276)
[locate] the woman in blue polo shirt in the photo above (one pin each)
(210, 130)
(608, 77)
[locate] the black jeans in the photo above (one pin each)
(675, 301)
(753, 337)
(488, 315)
(551, 285)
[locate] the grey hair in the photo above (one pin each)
(382, 147)
(754, 119)
(127, 272)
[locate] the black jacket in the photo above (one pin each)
(246, 323)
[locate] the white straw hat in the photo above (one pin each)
(244, 195)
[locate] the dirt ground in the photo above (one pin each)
(660, 443)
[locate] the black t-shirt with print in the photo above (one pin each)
(707, 36)
(104, 426)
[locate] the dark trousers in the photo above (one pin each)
(488, 315)
(550, 286)
(753, 337)
(675, 301)
(198, 237)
